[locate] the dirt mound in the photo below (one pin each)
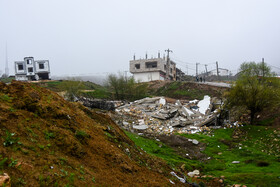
(47, 141)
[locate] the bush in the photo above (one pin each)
(255, 90)
(126, 88)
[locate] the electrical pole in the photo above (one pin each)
(125, 76)
(168, 63)
(187, 69)
(217, 70)
(263, 66)
(206, 69)
(196, 69)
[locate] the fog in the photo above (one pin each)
(89, 37)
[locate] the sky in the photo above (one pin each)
(90, 37)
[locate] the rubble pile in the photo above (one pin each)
(155, 115)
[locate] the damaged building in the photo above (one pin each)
(145, 70)
(30, 70)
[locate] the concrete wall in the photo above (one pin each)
(147, 76)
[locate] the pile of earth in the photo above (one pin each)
(47, 141)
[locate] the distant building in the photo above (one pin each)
(145, 70)
(29, 70)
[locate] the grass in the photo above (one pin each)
(257, 149)
(163, 151)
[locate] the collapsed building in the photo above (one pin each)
(145, 70)
(30, 70)
(156, 115)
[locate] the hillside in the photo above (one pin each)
(47, 141)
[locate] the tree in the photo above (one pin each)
(255, 89)
(126, 88)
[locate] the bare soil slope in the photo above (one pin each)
(47, 141)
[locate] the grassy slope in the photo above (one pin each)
(254, 146)
(183, 90)
(47, 141)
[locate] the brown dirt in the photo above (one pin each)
(63, 143)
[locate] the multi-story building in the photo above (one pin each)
(29, 70)
(145, 70)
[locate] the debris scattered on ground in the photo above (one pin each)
(156, 115)
(193, 173)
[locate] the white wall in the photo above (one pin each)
(147, 76)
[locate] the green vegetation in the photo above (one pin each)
(255, 90)
(10, 139)
(81, 135)
(256, 147)
(178, 89)
(161, 150)
(6, 79)
(5, 98)
(126, 88)
(73, 89)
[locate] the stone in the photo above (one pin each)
(5, 180)
(194, 141)
(235, 162)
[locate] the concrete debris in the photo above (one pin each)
(180, 178)
(156, 115)
(194, 141)
(97, 103)
(193, 173)
(235, 162)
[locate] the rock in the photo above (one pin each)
(193, 173)
(196, 172)
(162, 101)
(235, 162)
(140, 127)
(194, 141)
(5, 180)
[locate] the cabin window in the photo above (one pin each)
(20, 67)
(151, 64)
(41, 66)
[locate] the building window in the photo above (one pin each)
(137, 66)
(41, 66)
(20, 67)
(151, 64)
(29, 61)
(171, 70)
(30, 69)
(164, 66)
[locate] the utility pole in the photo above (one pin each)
(196, 69)
(263, 66)
(125, 76)
(217, 70)
(206, 69)
(187, 69)
(168, 63)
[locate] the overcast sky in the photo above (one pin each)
(95, 37)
